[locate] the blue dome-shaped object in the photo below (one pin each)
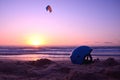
(79, 54)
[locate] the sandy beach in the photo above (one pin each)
(45, 69)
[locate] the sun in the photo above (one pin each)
(35, 41)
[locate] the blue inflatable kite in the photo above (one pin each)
(80, 54)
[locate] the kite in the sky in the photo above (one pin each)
(48, 8)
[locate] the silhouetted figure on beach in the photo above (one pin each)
(88, 59)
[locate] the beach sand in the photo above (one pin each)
(45, 69)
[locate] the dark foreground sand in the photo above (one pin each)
(45, 69)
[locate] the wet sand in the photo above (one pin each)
(45, 69)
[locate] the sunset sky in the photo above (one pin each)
(71, 23)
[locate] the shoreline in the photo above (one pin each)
(45, 69)
(33, 57)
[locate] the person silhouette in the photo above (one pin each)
(88, 59)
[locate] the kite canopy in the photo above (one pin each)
(48, 8)
(79, 54)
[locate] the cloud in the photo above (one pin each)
(97, 42)
(108, 42)
(104, 42)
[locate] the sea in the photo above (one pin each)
(54, 53)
